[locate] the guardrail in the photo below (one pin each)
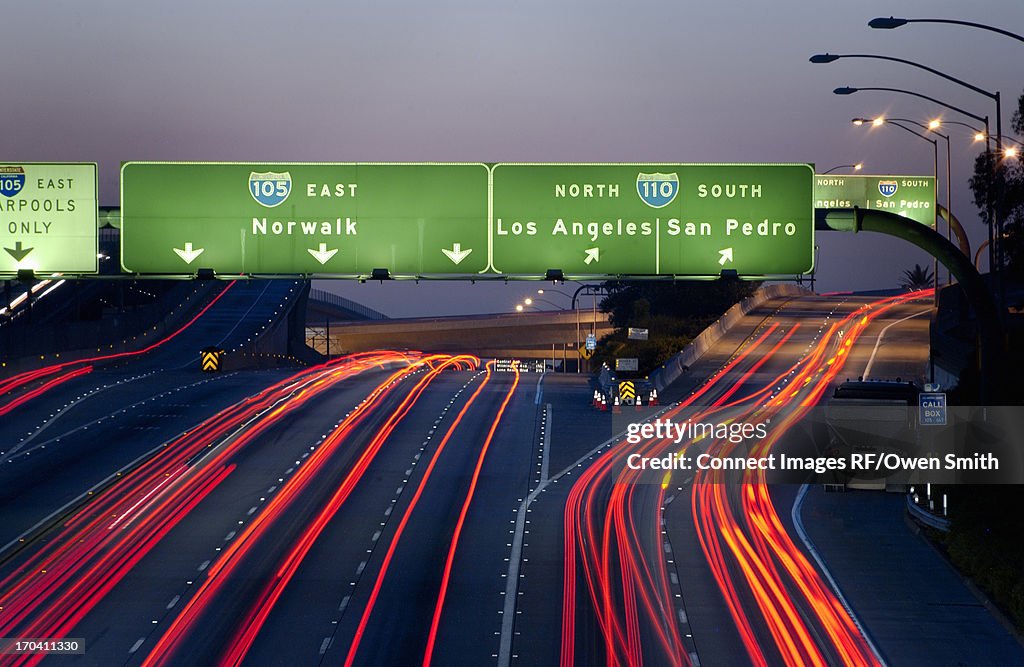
(338, 301)
(921, 515)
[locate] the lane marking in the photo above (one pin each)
(547, 444)
(798, 523)
(881, 335)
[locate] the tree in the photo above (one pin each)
(631, 303)
(998, 186)
(917, 278)
(672, 312)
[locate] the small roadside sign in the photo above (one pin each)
(933, 409)
(585, 353)
(627, 392)
(637, 334)
(211, 360)
(591, 342)
(627, 364)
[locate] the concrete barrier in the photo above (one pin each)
(679, 363)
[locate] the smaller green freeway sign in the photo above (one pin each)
(340, 219)
(910, 196)
(48, 218)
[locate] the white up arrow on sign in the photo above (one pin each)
(593, 255)
(726, 256)
(457, 254)
(188, 254)
(323, 254)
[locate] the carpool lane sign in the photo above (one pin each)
(48, 215)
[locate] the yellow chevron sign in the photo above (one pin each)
(627, 392)
(211, 360)
(585, 353)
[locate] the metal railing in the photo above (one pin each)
(337, 301)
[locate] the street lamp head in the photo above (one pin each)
(1010, 152)
(858, 166)
(979, 136)
(821, 58)
(882, 23)
(519, 307)
(934, 124)
(860, 121)
(540, 291)
(845, 91)
(528, 301)
(878, 121)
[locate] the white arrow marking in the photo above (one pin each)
(726, 256)
(323, 254)
(593, 255)
(188, 254)
(457, 254)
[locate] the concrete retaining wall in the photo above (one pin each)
(675, 366)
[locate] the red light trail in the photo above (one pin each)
(615, 550)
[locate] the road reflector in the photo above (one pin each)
(211, 360)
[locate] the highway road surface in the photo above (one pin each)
(400, 508)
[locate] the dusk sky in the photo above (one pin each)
(108, 81)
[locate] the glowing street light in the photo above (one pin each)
(855, 167)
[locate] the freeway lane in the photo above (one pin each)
(737, 506)
(90, 441)
(62, 442)
(57, 580)
(406, 582)
(285, 496)
(622, 538)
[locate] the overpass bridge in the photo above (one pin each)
(538, 335)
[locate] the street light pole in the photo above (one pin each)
(855, 167)
(892, 22)
(933, 127)
(831, 57)
(848, 90)
(935, 173)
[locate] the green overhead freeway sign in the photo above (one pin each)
(910, 196)
(48, 218)
(652, 219)
(468, 220)
(345, 219)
